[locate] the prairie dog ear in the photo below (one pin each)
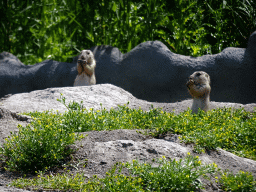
(80, 52)
(208, 78)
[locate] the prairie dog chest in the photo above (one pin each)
(82, 80)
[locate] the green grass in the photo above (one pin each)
(227, 128)
(240, 182)
(47, 144)
(183, 175)
(40, 146)
(60, 29)
(175, 175)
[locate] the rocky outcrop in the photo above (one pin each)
(150, 72)
(93, 96)
(103, 149)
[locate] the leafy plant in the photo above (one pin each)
(186, 30)
(50, 34)
(38, 146)
(227, 128)
(238, 182)
(245, 13)
(182, 175)
(175, 175)
(36, 31)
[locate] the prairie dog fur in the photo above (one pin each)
(199, 88)
(86, 69)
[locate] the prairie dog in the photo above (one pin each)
(86, 69)
(199, 88)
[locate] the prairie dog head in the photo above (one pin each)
(199, 84)
(86, 63)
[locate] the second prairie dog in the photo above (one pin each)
(199, 88)
(86, 69)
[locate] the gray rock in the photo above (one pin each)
(150, 72)
(92, 96)
(16, 77)
(108, 95)
(116, 148)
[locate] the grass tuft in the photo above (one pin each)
(238, 182)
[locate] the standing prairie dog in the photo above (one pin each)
(86, 69)
(199, 88)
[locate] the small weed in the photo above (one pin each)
(240, 182)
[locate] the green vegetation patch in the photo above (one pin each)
(238, 182)
(46, 143)
(168, 175)
(182, 175)
(230, 129)
(60, 29)
(42, 145)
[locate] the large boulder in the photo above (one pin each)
(15, 77)
(150, 71)
(93, 96)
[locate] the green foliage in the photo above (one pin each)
(81, 119)
(46, 144)
(186, 29)
(40, 146)
(115, 181)
(38, 30)
(228, 21)
(227, 128)
(239, 182)
(59, 29)
(63, 182)
(173, 175)
(182, 175)
(50, 33)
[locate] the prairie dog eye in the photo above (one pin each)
(198, 74)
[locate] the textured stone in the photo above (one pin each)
(92, 96)
(150, 71)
